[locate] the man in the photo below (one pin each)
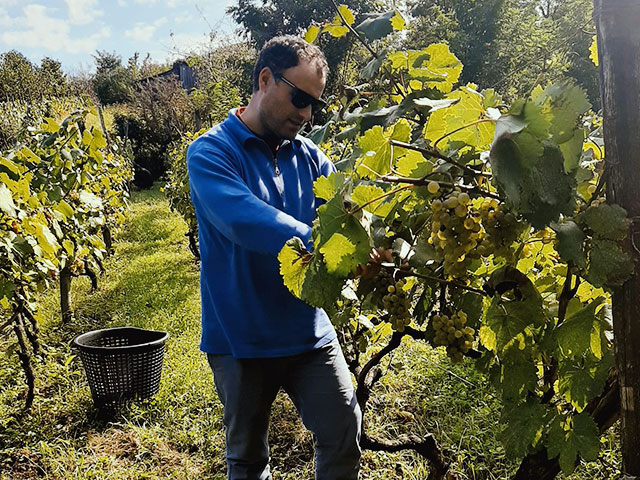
(251, 183)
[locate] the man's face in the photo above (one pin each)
(279, 117)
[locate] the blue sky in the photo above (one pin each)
(70, 31)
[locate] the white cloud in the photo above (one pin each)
(5, 19)
(176, 3)
(143, 32)
(145, 2)
(8, 3)
(39, 29)
(122, 3)
(83, 12)
(184, 18)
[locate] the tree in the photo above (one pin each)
(469, 26)
(113, 83)
(51, 78)
(18, 77)
(511, 45)
(618, 47)
(279, 17)
(268, 19)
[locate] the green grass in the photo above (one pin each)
(151, 281)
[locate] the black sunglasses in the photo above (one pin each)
(301, 99)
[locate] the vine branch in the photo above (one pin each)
(433, 152)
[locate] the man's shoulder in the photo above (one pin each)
(307, 144)
(217, 138)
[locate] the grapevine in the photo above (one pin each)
(496, 210)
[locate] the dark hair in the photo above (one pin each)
(284, 52)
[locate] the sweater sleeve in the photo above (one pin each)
(222, 198)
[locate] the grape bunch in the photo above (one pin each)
(394, 299)
(456, 231)
(396, 302)
(502, 229)
(452, 332)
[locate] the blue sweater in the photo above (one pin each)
(246, 212)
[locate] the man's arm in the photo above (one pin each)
(222, 198)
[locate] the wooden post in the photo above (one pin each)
(619, 57)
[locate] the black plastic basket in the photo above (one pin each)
(121, 364)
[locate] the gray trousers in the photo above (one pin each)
(319, 384)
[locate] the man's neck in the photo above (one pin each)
(252, 122)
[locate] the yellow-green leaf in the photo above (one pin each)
(464, 113)
(364, 194)
(311, 34)
(87, 137)
(50, 125)
(594, 50)
(292, 268)
(46, 239)
(6, 201)
(347, 14)
(398, 22)
(65, 209)
(436, 65)
(334, 250)
(11, 166)
(68, 246)
(29, 156)
(336, 30)
(413, 164)
(98, 140)
(327, 187)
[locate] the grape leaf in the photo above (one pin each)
(570, 242)
(413, 164)
(364, 194)
(606, 221)
(581, 379)
(376, 150)
(562, 105)
(344, 251)
(311, 34)
(524, 423)
(518, 372)
(320, 288)
(331, 217)
(608, 264)
(506, 321)
(536, 187)
(373, 67)
(572, 150)
(593, 49)
(436, 65)
(319, 133)
(468, 109)
(376, 25)
(6, 201)
(398, 22)
(567, 441)
(327, 187)
(581, 331)
(293, 266)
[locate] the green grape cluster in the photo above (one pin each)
(502, 229)
(452, 332)
(396, 302)
(382, 281)
(456, 232)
